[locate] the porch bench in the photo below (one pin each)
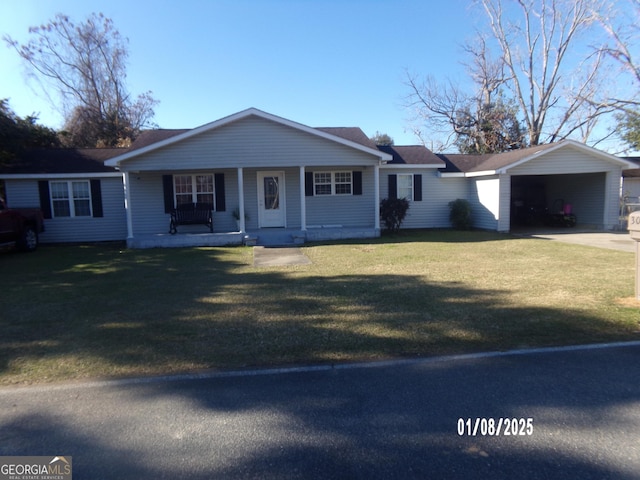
(191, 214)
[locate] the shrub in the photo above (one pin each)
(460, 214)
(392, 212)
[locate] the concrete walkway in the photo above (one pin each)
(278, 256)
(612, 240)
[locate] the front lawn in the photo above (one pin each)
(72, 312)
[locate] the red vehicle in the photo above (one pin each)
(20, 227)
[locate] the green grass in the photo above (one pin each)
(73, 312)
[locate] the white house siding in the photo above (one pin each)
(485, 201)
(566, 160)
(147, 204)
(631, 187)
(112, 226)
(249, 142)
(437, 192)
(344, 210)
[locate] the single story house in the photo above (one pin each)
(267, 178)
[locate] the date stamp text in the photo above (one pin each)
(495, 427)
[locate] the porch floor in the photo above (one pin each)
(264, 237)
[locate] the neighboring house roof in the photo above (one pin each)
(170, 140)
(412, 155)
(632, 172)
(57, 161)
(493, 163)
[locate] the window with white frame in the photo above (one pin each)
(332, 183)
(70, 198)
(193, 189)
(405, 186)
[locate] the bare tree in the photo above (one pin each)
(541, 55)
(478, 122)
(553, 76)
(86, 64)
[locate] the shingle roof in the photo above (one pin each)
(411, 155)
(62, 160)
(353, 134)
(465, 163)
(149, 137)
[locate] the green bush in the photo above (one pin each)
(392, 212)
(460, 214)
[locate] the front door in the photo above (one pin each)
(271, 199)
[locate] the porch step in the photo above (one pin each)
(275, 239)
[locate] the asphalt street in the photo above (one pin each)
(410, 419)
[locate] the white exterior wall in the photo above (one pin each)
(147, 204)
(344, 210)
(437, 192)
(250, 142)
(112, 226)
(631, 187)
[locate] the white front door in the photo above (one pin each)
(271, 199)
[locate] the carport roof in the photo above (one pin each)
(493, 163)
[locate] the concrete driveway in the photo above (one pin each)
(612, 240)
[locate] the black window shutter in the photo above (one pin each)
(308, 184)
(167, 185)
(357, 182)
(96, 198)
(417, 187)
(393, 186)
(45, 203)
(220, 196)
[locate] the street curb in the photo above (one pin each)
(312, 368)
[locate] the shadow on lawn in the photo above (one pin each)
(205, 308)
(107, 312)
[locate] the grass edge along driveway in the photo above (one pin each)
(101, 311)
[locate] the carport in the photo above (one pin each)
(518, 188)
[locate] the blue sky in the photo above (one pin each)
(320, 63)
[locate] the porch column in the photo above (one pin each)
(376, 195)
(241, 199)
(303, 201)
(126, 180)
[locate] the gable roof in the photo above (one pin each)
(322, 133)
(412, 155)
(59, 161)
(499, 163)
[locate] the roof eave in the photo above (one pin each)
(32, 176)
(482, 173)
(413, 165)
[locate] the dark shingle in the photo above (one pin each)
(62, 160)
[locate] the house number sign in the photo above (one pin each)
(634, 231)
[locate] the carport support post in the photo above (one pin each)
(634, 230)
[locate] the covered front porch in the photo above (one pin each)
(264, 236)
(254, 206)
